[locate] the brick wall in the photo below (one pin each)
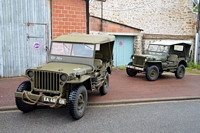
(173, 17)
(68, 16)
(109, 26)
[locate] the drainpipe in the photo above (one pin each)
(197, 38)
(87, 17)
(101, 25)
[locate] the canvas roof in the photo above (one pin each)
(85, 38)
(172, 42)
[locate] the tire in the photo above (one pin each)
(104, 88)
(24, 107)
(77, 102)
(152, 73)
(129, 71)
(180, 72)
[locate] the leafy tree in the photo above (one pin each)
(195, 9)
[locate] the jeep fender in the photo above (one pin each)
(84, 79)
(183, 63)
(158, 64)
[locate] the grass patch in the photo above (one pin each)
(193, 68)
(122, 68)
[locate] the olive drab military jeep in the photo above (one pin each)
(167, 55)
(76, 63)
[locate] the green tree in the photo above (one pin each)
(195, 9)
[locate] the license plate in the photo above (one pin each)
(53, 100)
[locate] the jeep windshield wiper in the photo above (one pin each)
(88, 46)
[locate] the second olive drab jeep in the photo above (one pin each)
(76, 63)
(170, 55)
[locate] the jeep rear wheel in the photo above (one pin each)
(104, 88)
(152, 73)
(24, 107)
(180, 72)
(77, 102)
(129, 71)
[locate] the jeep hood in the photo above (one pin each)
(63, 68)
(150, 57)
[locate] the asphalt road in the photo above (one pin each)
(165, 117)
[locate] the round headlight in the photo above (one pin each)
(63, 77)
(30, 73)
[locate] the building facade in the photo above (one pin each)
(27, 26)
(159, 19)
(154, 16)
(126, 38)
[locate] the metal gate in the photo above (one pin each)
(24, 35)
(123, 49)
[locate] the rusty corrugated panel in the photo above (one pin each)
(23, 24)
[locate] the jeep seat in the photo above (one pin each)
(173, 57)
(98, 63)
(172, 60)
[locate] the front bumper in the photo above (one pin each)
(43, 99)
(135, 68)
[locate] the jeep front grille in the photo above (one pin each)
(46, 81)
(139, 60)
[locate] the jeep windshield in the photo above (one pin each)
(157, 49)
(72, 49)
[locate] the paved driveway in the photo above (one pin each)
(123, 87)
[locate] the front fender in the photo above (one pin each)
(82, 79)
(157, 63)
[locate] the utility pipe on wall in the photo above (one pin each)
(87, 17)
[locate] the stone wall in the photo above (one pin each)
(173, 17)
(159, 19)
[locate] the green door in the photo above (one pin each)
(123, 49)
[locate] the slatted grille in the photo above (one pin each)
(139, 60)
(46, 81)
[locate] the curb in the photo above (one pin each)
(115, 102)
(152, 100)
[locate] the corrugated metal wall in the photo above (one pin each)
(123, 49)
(23, 23)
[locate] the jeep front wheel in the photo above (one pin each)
(104, 88)
(77, 102)
(180, 72)
(24, 107)
(129, 71)
(152, 73)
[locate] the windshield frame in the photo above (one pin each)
(71, 49)
(157, 49)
